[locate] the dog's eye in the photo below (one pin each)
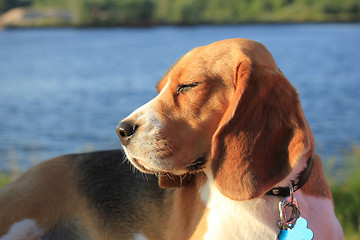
(182, 88)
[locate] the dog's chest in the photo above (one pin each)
(229, 219)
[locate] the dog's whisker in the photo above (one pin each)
(170, 176)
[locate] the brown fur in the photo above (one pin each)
(45, 188)
(262, 134)
(317, 184)
(256, 122)
(187, 218)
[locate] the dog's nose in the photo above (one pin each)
(125, 129)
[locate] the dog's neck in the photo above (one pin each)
(294, 182)
(231, 219)
(258, 218)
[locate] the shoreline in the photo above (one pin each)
(141, 26)
(57, 17)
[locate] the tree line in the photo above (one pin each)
(153, 12)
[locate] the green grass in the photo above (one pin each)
(345, 186)
(344, 182)
(4, 179)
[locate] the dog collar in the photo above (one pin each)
(297, 183)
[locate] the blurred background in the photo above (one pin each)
(71, 70)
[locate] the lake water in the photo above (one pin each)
(65, 90)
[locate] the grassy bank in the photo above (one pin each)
(184, 12)
(345, 186)
(344, 181)
(4, 179)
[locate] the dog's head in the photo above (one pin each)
(225, 107)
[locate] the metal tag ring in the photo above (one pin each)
(295, 214)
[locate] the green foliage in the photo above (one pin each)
(149, 12)
(4, 179)
(111, 12)
(346, 192)
(9, 4)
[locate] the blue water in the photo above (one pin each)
(65, 90)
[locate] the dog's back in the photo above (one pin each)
(82, 196)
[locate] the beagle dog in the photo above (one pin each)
(223, 139)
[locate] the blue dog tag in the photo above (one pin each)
(298, 232)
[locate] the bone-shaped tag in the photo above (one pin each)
(298, 232)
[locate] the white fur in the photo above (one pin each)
(154, 144)
(229, 219)
(258, 218)
(147, 118)
(166, 85)
(139, 236)
(26, 229)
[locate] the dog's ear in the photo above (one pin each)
(262, 134)
(168, 180)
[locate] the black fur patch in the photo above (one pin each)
(66, 230)
(117, 192)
